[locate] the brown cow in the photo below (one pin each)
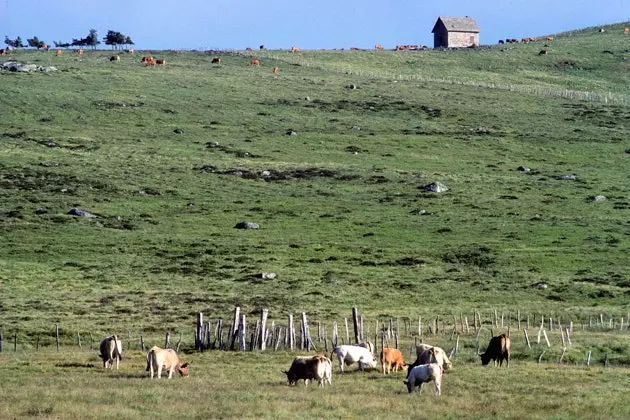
(498, 350)
(392, 359)
(58, 53)
(115, 58)
(150, 62)
(378, 47)
(275, 70)
(146, 58)
(295, 49)
(160, 62)
(626, 30)
(216, 60)
(158, 359)
(80, 51)
(549, 38)
(254, 62)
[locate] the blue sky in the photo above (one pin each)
(311, 24)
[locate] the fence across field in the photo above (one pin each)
(537, 332)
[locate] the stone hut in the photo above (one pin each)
(455, 32)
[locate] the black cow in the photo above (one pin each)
(498, 350)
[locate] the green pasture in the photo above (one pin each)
(171, 158)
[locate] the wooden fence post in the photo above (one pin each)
(361, 330)
(568, 337)
(540, 356)
(79, 340)
(37, 343)
(307, 335)
(355, 322)
(263, 329)
(179, 342)
(546, 339)
(588, 358)
(527, 338)
(235, 326)
(290, 332)
(606, 360)
(142, 343)
(218, 335)
(420, 325)
(128, 340)
(167, 340)
(91, 342)
(15, 341)
(242, 331)
(347, 332)
(1, 340)
(57, 335)
(199, 332)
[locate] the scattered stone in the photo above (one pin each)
(350, 87)
(268, 276)
(291, 133)
(599, 198)
(541, 285)
(212, 145)
(18, 67)
(265, 174)
(49, 143)
(356, 127)
(76, 211)
(308, 99)
(178, 131)
(170, 111)
(246, 225)
(436, 187)
(48, 164)
(524, 169)
(566, 177)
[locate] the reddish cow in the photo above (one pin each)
(392, 359)
(275, 70)
(58, 53)
(254, 62)
(498, 350)
(295, 49)
(378, 47)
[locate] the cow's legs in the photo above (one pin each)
(159, 371)
(170, 372)
(420, 388)
(117, 362)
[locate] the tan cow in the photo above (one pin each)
(378, 47)
(80, 51)
(158, 359)
(254, 62)
(275, 70)
(58, 53)
(111, 350)
(392, 359)
(295, 49)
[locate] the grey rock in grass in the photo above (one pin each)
(356, 127)
(178, 131)
(291, 133)
(212, 144)
(47, 69)
(524, 169)
(541, 285)
(351, 87)
(568, 177)
(436, 187)
(246, 225)
(76, 211)
(268, 276)
(599, 198)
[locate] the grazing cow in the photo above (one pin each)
(549, 38)
(542, 52)
(146, 58)
(378, 47)
(115, 58)
(45, 46)
(392, 359)
(310, 368)
(131, 51)
(254, 62)
(216, 60)
(435, 355)
(248, 49)
(111, 350)
(626, 30)
(261, 48)
(150, 62)
(501, 41)
(275, 70)
(58, 53)
(347, 354)
(499, 349)
(80, 51)
(424, 374)
(158, 359)
(295, 49)
(160, 62)
(3, 51)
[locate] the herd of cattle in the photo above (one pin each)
(430, 363)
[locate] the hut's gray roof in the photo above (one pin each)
(457, 24)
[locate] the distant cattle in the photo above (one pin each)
(542, 52)
(146, 58)
(275, 70)
(216, 60)
(549, 38)
(158, 359)
(248, 49)
(160, 62)
(498, 350)
(347, 355)
(435, 355)
(601, 30)
(310, 368)
(626, 30)
(254, 62)
(378, 47)
(261, 48)
(111, 351)
(501, 41)
(295, 49)
(392, 359)
(3, 51)
(115, 58)
(80, 51)
(131, 51)
(45, 46)
(423, 374)
(58, 53)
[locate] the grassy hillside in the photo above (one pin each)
(171, 158)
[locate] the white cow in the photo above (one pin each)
(158, 359)
(111, 350)
(425, 373)
(347, 354)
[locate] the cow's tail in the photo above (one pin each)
(116, 353)
(150, 358)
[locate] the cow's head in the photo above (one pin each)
(183, 369)
(290, 377)
(485, 359)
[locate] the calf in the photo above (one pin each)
(111, 350)
(347, 354)
(498, 350)
(158, 358)
(310, 368)
(424, 373)
(392, 359)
